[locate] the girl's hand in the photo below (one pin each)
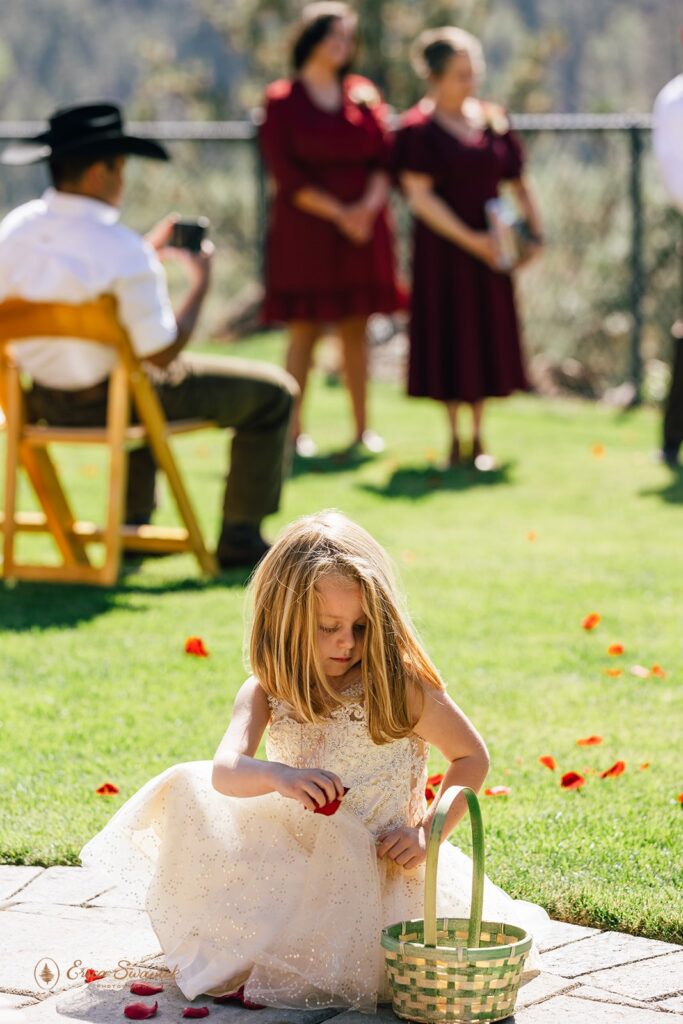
(312, 787)
(405, 845)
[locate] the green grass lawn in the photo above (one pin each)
(95, 686)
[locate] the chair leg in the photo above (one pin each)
(41, 471)
(12, 402)
(117, 421)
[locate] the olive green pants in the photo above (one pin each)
(253, 399)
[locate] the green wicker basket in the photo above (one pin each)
(454, 969)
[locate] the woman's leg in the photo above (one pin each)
(477, 416)
(454, 453)
(352, 333)
(303, 335)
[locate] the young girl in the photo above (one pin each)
(247, 889)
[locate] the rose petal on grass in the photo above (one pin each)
(640, 671)
(680, 798)
(572, 780)
(642, 767)
(613, 672)
(435, 780)
(196, 1011)
(497, 791)
(107, 789)
(140, 1011)
(591, 621)
(195, 645)
(658, 671)
(589, 741)
(549, 761)
(618, 768)
(141, 988)
(429, 794)
(615, 649)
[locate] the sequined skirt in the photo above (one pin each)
(260, 892)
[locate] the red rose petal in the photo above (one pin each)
(435, 780)
(238, 997)
(615, 649)
(107, 789)
(591, 621)
(497, 791)
(589, 741)
(196, 1011)
(195, 645)
(141, 988)
(657, 670)
(429, 794)
(140, 1011)
(642, 767)
(680, 798)
(614, 672)
(572, 780)
(331, 807)
(618, 768)
(549, 761)
(92, 975)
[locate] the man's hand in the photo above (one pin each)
(160, 235)
(405, 845)
(197, 264)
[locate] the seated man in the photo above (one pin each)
(68, 247)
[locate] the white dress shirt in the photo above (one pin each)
(667, 138)
(70, 248)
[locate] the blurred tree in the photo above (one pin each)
(261, 29)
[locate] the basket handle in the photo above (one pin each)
(443, 806)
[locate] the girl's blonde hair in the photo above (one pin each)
(283, 639)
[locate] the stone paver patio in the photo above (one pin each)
(70, 920)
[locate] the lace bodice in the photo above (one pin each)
(386, 781)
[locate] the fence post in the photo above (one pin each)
(637, 273)
(261, 194)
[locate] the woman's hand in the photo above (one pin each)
(482, 245)
(532, 251)
(406, 846)
(356, 221)
(312, 787)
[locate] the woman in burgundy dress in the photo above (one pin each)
(329, 248)
(452, 151)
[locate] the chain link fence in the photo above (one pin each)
(600, 309)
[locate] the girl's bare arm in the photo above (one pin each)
(445, 726)
(236, 772)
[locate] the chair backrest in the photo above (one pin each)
(94, 321)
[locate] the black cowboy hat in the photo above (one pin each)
(88, 126)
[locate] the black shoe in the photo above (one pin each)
(241, 546)
(669, 455)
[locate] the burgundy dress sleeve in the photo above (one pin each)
(513, 164)
(412, 151)
(275, 139)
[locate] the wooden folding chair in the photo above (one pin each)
(27, 446)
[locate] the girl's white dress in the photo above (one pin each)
(261, 892)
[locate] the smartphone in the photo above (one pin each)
(189, 233)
